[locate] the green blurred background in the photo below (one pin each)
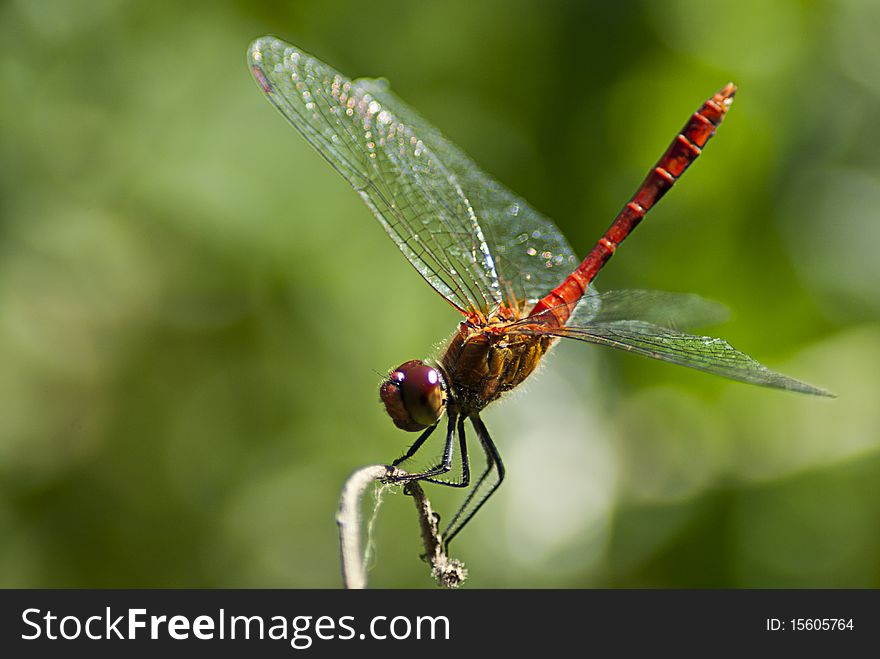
(195, 311)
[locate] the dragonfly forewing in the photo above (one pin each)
(530, 253)
(418, 201)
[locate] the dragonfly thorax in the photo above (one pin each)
(482, 363)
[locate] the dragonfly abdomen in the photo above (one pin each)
(683, 150)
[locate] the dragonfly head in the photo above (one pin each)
(414, 395)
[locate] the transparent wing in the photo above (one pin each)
(664, 308)
(418, 200)
(531, 255)
(703, 353)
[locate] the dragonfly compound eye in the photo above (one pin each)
(414, 395)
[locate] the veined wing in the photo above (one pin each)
(703, 353)
(665, 308)
(530, 254)
(418, 200)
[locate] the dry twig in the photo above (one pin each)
(446, 571)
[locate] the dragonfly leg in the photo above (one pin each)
(465, 464)
(416, 445)
(445, 464)
(473, 502)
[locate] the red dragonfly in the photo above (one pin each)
(504, 267)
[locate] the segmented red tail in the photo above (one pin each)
(684, 149)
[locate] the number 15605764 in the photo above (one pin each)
(809, 624)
